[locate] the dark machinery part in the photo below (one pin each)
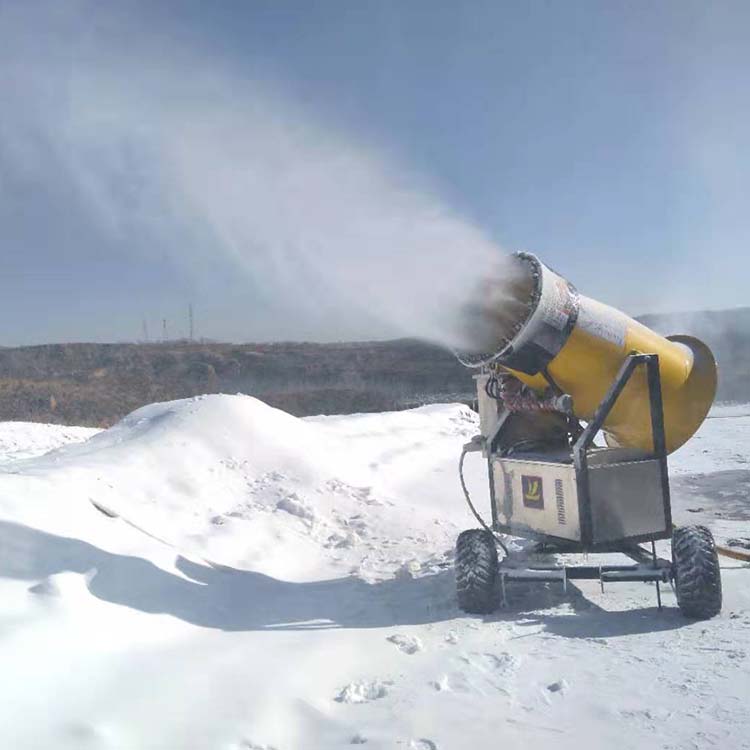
(696, 572)
(476, 571)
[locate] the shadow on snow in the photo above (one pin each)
(239, 600)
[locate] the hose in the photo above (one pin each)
(479, 518)
(733, 553)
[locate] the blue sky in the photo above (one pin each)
(610, 138)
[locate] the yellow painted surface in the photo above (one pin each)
(587, 365)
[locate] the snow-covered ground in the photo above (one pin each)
(29, 439)
(252, 580)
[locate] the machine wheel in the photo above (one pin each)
(696, 571)
(476, 571)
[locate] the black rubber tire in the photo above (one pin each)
(697, 572)
(476, 572)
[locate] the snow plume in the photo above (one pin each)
(173, 150)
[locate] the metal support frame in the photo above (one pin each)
(647, 567)
(490, 450)
(580, 461)
(586, 440)
(658, 571)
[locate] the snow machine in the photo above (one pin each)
(556, 370)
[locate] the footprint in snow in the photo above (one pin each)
(341, 541)
(559, 686)
(488, 662)
(363, 692)
(295, 507)
(360, 494)
(478, 671)
(442, 685)
(409, 644)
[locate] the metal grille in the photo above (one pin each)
(560, 499)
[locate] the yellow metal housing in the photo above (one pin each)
(580, 344)
(587, 365)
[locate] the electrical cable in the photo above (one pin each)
(479, 518)
(492, 388)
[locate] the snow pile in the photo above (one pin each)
(29, 439)
(214, 573)
(230, 479)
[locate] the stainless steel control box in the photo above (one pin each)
(625, 498)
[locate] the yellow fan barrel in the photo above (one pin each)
(555, 336)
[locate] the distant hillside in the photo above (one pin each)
(97, 384)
